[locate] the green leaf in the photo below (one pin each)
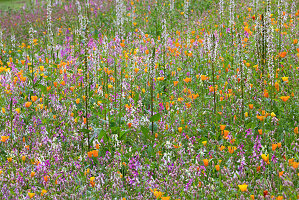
(155, 117)
(123, 135)
(144, 130)
(84, 130)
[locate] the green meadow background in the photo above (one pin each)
(14, 4)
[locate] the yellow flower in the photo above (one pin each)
(246, 114)
(243, 187)
(180, 129)
(4, 138)
(3, 110)
(158, 194)
(204, 143)
(43, 192)
(18, 110)
(285, 79)
(165, 198)
(31, 195)
(273, 114)
(265, 157)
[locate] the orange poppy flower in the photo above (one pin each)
(206, 162)
(231, 149)
(282, 54)
(285, 98)
(28, 104)
(274, 146)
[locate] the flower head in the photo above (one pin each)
(285, 98)
(243, 187)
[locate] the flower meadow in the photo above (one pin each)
(149, 99)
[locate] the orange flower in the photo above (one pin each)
(261, 118)
(279, 144)
(43, 192)
(89, 154)
(225, 133)
(258, 168)
(280, 173)
(221, 148)
(282, 54)
(206, 162)
(33, 98)
(92, 183)
(285, 98)
(28, 104)
(231, 149)
(274, 146)
(203, 77)
(285, 79)
(217, 167)
(32, 174)
(279, 198)
(95, 153)
(291, 161)
(199, 184)
(136, 70)
(175, 83)
(187, 80)
(251, 106)
(295, 165)
(243, 187)
(23, 158)
(180, 129)
(31, 195)
(4, 138)
(222, 127)
(296, 130)
(46, 178)
(260, 131)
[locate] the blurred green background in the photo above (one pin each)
(14, 4)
